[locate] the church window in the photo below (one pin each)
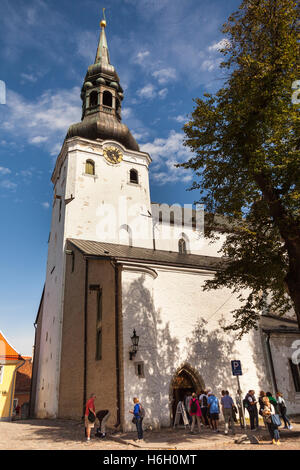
(93, 99)
(90, 167)
(107, 99)
(172, 218)
(1, 373)
(139, 369)
(134, 178)
(118, 106)
(99, 344)
(295, 369)
(182, 246)
(99, 305)
(60, 204)
(99, 325)
(160, 217)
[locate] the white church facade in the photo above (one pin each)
(117, 263)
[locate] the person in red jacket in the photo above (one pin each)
(90, 407)
(195, 412)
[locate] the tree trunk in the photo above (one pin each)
(290, 233)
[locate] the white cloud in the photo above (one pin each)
(181, 118)
(141, 56)
(210, 64)
(45, 120)
(7, 184)
(29, 77)
(217, 46)
(165, 75)
(46, 205)
(165, 153)
(148, 91)
(4, 171)
(163, 93)
(38, 139)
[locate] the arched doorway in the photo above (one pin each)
(186, 379)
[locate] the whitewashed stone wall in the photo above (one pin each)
(50, 346)
(78, 214)
(282, 351)
(179, 324)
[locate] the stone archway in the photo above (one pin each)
(186, 379)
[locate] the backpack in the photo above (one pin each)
(194, 407)
(245, 403)
(204, 400)
(142, 411)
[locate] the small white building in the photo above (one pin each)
(118, 263)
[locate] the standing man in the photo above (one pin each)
(214, 411)
(90, 408)
(251, 405)
(138, 418)
(227, 408)
(203, 404)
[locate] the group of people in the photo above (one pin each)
(206, 407)
(91, 416)
(271, 409)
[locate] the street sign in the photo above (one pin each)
(236, 367)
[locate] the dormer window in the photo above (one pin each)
(107, 99)
(134, 178)
(90, 167)
(93, 99)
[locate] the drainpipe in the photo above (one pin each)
(117, 289)
(31, 411)
(13, 385)
(269, 352)
(85, 338)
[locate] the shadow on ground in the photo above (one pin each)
(62, 431)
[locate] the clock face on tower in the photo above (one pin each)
(112, 154)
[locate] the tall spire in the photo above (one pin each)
(102, 95)
(102, 54)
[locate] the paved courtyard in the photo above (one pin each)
(69, 435)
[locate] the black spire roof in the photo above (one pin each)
(101, 96)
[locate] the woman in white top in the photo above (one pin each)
(267, 413)
(282, 409)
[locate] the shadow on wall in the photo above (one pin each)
(157, 349)
(259, 358)
(210, 352)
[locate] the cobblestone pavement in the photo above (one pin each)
(69, 435)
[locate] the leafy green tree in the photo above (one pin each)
(245, 144)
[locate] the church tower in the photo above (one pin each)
(101, 193)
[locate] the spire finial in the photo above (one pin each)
(103, 21)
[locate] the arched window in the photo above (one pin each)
(134, 177)
(118, 107)
(125, 235)
(172, 218)
(90, 167)
(182, 246)
(93, 99)
(160, 217)
(107, 99)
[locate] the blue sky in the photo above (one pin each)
(166, 53)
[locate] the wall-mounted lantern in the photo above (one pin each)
(134, 346)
